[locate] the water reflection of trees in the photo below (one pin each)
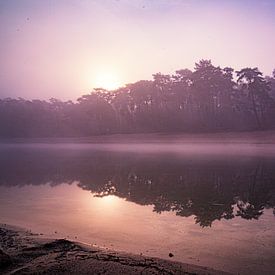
(209, 190)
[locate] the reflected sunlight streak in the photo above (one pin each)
(107, 203)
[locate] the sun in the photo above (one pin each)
(107, 80)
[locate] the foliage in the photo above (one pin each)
(206, 99)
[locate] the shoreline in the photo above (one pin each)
(257, 137)
(24, 252)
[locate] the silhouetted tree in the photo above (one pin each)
(256, 88)
(206, 99)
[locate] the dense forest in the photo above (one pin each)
(207, 99)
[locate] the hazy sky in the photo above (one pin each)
(64, 48)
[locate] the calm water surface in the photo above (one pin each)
(210, 205)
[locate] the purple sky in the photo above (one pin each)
(63, 49)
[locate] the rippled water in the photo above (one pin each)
(208, 204)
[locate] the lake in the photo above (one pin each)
(208, 204)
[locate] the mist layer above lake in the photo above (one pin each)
(148, 198)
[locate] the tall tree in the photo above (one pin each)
(256, 88)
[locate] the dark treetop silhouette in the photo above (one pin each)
(206, 99)
(209, 188)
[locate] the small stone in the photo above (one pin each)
(171, 255)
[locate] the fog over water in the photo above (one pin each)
(142, 126)
(151, 198)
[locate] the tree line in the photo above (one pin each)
(207, 99)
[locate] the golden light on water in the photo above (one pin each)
(109, 201)
(108, 204)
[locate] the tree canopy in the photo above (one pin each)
(209, 98)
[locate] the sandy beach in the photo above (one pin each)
(25, 252)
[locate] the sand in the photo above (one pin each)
(25, 252)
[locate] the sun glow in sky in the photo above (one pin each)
(64, 49)
(105, 79)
